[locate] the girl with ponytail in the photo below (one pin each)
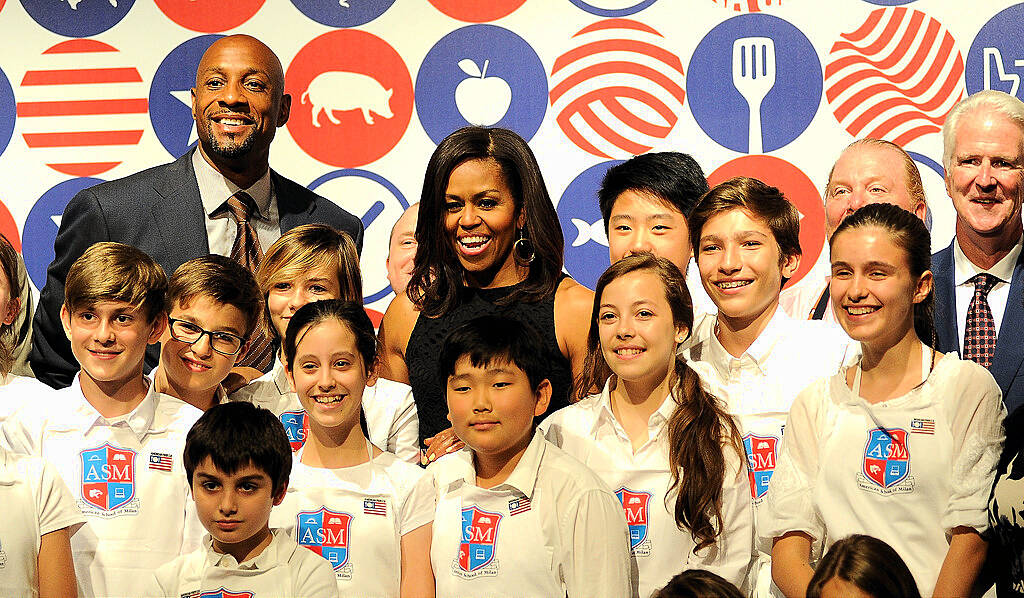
(653, 434)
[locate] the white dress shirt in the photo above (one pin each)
(214, 191)
(551, 529)
(964, 270)
(589, 431)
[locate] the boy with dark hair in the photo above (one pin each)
(213, 305)
(238, 459)
(111, 436)
(510, 492)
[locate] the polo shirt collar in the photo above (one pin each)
(265, 560)
(523, 478)
(605, 415)
(83, 416)
(759, 352)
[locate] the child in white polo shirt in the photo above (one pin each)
(516, 516)
(238, 461)
(111, 436)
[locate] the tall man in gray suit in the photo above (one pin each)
(179, 211)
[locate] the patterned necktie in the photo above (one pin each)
(980, 333)
(246, 251)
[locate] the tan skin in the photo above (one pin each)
(55, 568)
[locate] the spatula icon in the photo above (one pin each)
(753, 75)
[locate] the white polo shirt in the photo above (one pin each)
(34, 502)
(282, 570)
(355, 518)
(551, 529)
(127, 477)
(589, 431)
(388, 406)
(906, 470)
(15, 391)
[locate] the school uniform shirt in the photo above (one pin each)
(34, 502)
(551, 529)
(355, 518)
(126, 476)
(387, 405)
(283, 570)
(589, 431)
(15, 391)
(907, 470)
(758, 389)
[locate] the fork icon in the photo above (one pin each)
(753, 75)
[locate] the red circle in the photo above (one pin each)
(209, 16)
(475, 11)
(356, 79)
(7, 225)
(797, 188)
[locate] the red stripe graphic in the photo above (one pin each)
(83, 168)
(617, 68)
(618, 45)
(82, 76)
(83, 107)
(617, 24)
(79, 46)
(70, 139)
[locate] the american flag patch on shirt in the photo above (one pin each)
(375, 506)
(160, 461)
(922, 426)
(518, 505)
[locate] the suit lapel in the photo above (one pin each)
(946, 329)
(177, 206)
(293, 208)
(1010, 344)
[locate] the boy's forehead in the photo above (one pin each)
(109, 305)
(499, 364)
(226, 313)
(208, 468)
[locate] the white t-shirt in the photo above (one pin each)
(16, 391)
(34, 502)
(282, 570)
(355, 518)
(126, 476)
(589, 431)
(907, 470)
(551, 529)
(389, 408)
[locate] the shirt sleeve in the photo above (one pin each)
(731, 554)
(21, 433)
(598, 548)
(314, 577)
(418, 507)
(55, 507)
(404, 437)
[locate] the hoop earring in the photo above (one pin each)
(522, 250)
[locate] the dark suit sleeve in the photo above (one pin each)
(82, 225)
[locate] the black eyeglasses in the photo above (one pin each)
(224, 343)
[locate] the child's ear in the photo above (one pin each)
(543, 393)
(13, 309)
(924, 286)
(279, 497)
(159, 324)
(789, 265)
(682, 333)
(65, 319)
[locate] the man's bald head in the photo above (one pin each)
(263, 58)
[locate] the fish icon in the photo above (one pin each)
(586, 232)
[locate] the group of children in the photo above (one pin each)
(303, 479)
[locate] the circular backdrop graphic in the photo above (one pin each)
(8, 112)
(996, 58)
(77, 18)
(170, 96)
(477, 12)
(586, 240)
(9, 227)
(481, 75)
(613, 8)
(890, 2)
(797, 188)
(352, 98)
(209, 16)
(42, 223)
(754, 83)
(343, 13)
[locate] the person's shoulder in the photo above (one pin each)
(567, 473)
(327, 211)
(573, 295)
(174, 414)
(575, 417)
(178, 570)
(951, 371)
(126, 189)
(403, 475)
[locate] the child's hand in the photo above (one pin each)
(441, 444)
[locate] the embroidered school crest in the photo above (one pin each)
(635, 505)
(108, 476)
(886, 458)
(297, 427)
(479, 535)
(224, 593)
(326, 533)
(761, 453)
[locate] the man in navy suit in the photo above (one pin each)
(177, 211)
(983, 155)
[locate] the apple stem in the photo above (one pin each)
(484, 74)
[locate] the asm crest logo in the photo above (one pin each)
(108, 477)
(326, 533)
(886, 467)
(636, 506)
(761, 453)
(225, 593)
(476, 550)
(297, 427)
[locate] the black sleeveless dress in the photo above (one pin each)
(423, 352)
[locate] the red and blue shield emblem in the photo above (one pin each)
(296, 426)
(479, 535)
(761, 454)
(635, 505)
(326, 533)
(108, 476)
(886, 457)
(225, 593)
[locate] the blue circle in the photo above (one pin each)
(77, 18)
(790, 104)
(890, 2)
(383, 182)
(334, 13)
(993, 52)
(40, 230)
(613, 12)
(170, 115)
(579, 213)
(8, 112)
(508, 58)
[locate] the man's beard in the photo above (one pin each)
(231, 149)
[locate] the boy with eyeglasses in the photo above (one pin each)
(213, 304)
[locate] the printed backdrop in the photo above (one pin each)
(92, 90)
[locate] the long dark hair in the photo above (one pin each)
(698, 421)
(8, 333)
(436, 286)
(868, 563)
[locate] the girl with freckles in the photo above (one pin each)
(901, 444)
